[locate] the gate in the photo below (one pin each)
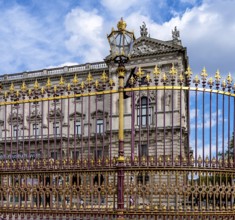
(161, 147)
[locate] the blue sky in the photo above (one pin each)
(37, 34)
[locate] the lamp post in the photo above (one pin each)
(121, 42)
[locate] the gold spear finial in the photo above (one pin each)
(48, 84)
(164, 78)
(42, 90)
(204, 73)
(97, 84)
(36, 85)
(12, 88)
(229, 78)
(217, 76)
(104, 77)
(188, 72)
(68, 87)
(89, 78)
(82, 86)
(30, 91)
(55, 88)
(148, 78)
(173, 70)
(140, 73)
(23, 87)
(75, 80)
(181, 78)
(196, 80)
(210, 81)
(111, 82)
(61, 82)
(156, 72)
(132, 80)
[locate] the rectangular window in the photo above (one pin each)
(143, 150)
(98, 154)
(77, 126)
(75, 155)
(54, 155)
(35, 129)
(15, 131)
(99, 126)
(56, 128)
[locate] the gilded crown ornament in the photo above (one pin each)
(121, 25)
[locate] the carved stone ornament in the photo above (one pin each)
(15, 118)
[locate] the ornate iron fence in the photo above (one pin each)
(160, 148)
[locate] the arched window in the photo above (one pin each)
(143, 112)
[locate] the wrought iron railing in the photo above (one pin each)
(178, 145)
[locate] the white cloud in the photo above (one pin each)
(86, 37)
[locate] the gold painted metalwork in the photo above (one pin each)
(217, 76)
(173, 70)
(139, 73)
(164, 78)
(23, 87)
(89, 79)
(204, 74)
(12, 88)
(156, 72)
(188, 72)
(104, 77)
(36, 85)
(48, 84)
(229, 79)
(75, 80)
(121, 25)
(61, 82)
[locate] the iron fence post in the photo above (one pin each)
(120, 161)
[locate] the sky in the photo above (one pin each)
(38, 34)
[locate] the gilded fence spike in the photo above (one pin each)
(48, 84)
(17, 93)
(29, 91)
(173, 70)
(156, 72)
(132, 81)
(23, 87)
(188, 72)
(111, 82)
(196, 80)
(148, 78)
(36, 85)
(61, 82)
(223, 84)
(89, 78)
(68, 87)
(217, 76)
(140, 73)
(204, 74)
(75, 80)
(55, 88)
(164, 78)
(42, 90)
(210, 82)
(104, 77)
(97, 84)
(12, 88)
(229, 78)
(181, 78)
(82, 86)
